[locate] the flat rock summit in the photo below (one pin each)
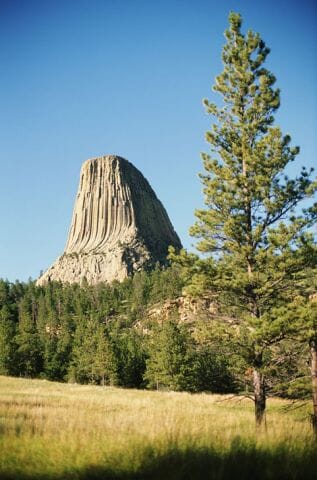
(118, 227)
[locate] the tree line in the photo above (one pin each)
(103, 335)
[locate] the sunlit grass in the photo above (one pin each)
(51, 430)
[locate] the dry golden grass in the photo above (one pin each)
(52, 430)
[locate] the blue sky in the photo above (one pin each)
(81, 79)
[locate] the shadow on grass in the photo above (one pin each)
(239, 463)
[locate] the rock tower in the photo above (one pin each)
(118, 227)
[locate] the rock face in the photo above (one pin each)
(118, 227)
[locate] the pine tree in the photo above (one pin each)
(167, 365)
(310, 317)
(29, 352)
(104, 362)
(130, 356)
(300, 312)
(249, 224)
(83, 351)
(7, 342)
(93, 359)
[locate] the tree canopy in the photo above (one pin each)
(251, 223)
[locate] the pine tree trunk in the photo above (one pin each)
(313, 351)
(259, 396)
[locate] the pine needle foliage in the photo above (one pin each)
(251, 223)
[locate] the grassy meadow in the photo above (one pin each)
(64, 431)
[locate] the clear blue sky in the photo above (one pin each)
(81, 79)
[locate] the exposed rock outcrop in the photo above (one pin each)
(188, 309)
(118, 227)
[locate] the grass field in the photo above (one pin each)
(62, 431)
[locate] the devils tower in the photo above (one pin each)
(118, 226)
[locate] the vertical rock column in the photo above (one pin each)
(118, 225)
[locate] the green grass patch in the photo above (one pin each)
(62, 431)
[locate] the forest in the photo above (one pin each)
(105, 334)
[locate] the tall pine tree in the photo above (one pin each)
(29, 352)
(167, 365)
(249, 224)
(7, 342)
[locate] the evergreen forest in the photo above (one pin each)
(107, 335)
